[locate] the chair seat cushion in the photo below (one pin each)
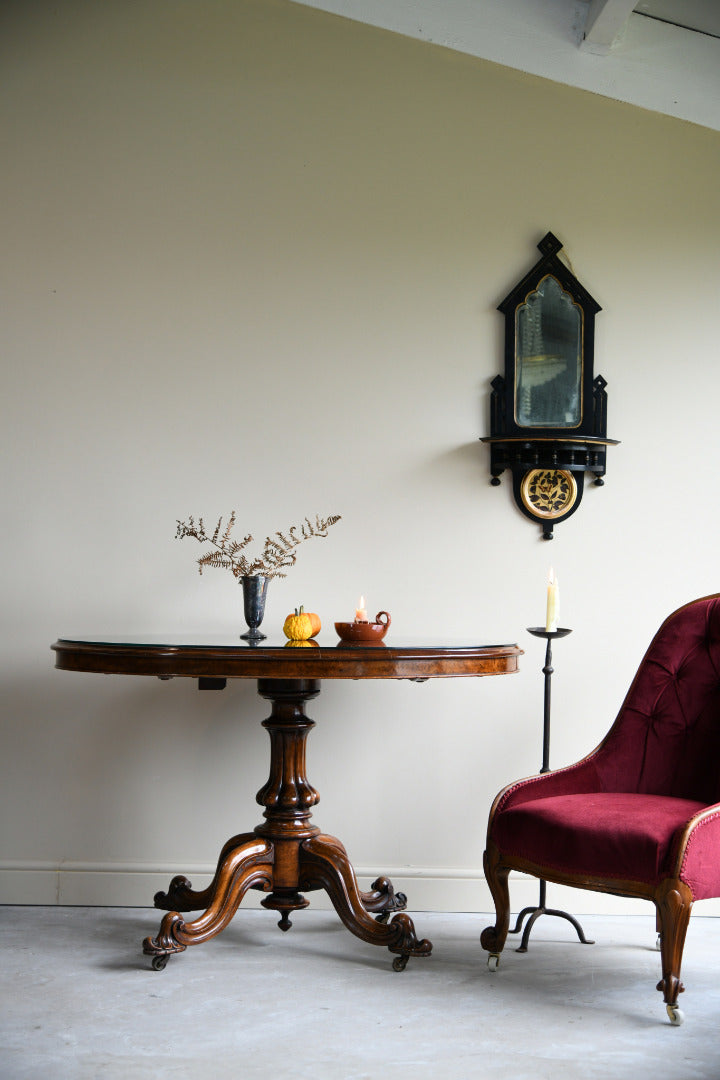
(618, 835)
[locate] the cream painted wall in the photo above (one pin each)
(252, 255)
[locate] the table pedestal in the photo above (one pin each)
(285, 856)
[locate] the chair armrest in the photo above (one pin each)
(580, 778)
(698, 859)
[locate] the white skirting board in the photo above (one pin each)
(427, 888)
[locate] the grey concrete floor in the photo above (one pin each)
(80, 1002)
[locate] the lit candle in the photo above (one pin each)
(553, 602)
(360, 612)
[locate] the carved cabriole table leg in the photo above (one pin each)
(182, 897)
(382, 898)
(326, 866)
(285, 854)
(248, 865)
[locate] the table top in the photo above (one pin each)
(206, 656)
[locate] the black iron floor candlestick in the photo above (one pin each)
(541, 909)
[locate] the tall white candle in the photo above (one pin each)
(553, 602)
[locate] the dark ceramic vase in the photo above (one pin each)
(254, 593)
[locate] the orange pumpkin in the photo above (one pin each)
(301, 625)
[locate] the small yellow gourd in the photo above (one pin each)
(298, 627)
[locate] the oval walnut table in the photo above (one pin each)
(286, 855)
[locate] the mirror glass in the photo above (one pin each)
(548, 358)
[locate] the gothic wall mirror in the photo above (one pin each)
(548, 412)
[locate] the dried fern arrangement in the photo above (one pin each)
(277, 555)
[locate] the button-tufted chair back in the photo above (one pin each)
(666, 739)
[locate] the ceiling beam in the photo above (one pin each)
(605, 24)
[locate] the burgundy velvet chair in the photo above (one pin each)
(641, 815)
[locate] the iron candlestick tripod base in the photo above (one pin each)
(542, 909)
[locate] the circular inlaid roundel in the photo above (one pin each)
(548, 493)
